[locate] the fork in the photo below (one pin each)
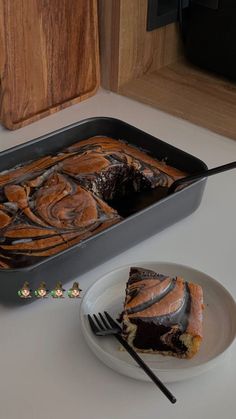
(102, 326)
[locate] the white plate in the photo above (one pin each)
(219, 324)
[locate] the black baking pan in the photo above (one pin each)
(70, 263)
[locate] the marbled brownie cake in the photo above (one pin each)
(162, 314)
(49, 204)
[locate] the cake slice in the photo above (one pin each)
(162, 314)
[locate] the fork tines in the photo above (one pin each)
(111, 321)
(99, 324)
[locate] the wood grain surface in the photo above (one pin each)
(127, 49)
(109, 32)
(190, 93)
(49, 57)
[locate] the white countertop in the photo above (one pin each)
(47, 370)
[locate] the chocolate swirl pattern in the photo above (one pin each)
(162, 314)
(49, 204)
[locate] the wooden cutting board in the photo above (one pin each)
(49, 57)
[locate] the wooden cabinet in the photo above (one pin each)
(149, 67)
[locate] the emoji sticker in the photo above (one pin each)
(74, 292)
(41, 292)
(25, 291)
(58, 291)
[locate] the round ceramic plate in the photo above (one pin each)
(219, 324)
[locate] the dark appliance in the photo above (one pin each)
(209, 33)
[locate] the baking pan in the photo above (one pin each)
(72, 262)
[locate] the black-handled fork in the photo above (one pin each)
(104, 327)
